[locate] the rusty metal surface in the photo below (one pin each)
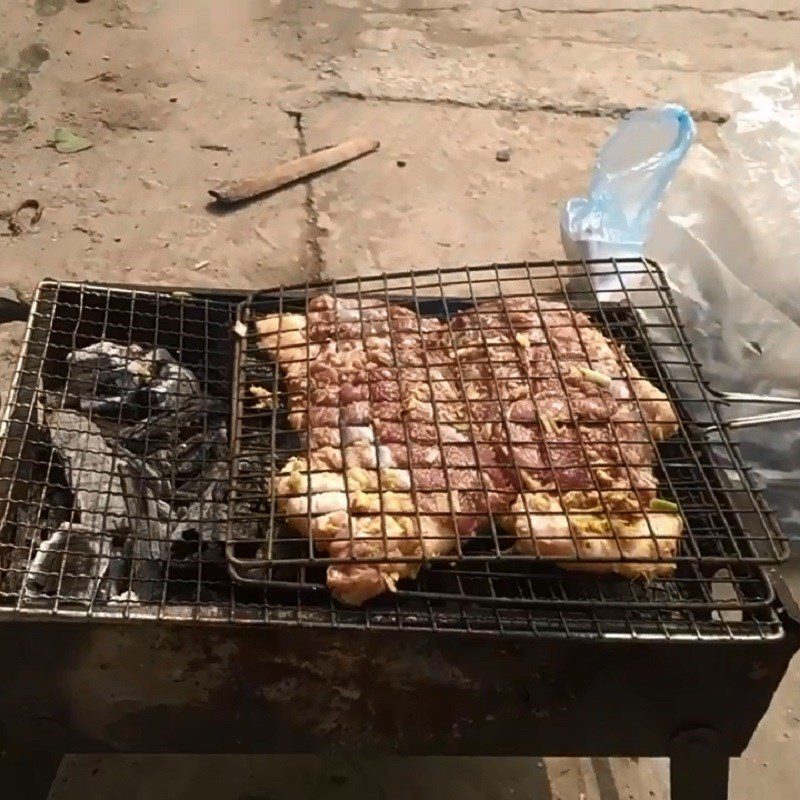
(186, 688)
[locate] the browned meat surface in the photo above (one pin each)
(377, 384)
(579, 425)
(417, 431)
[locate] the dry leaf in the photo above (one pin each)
(65, 141)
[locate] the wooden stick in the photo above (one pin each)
(295, 170)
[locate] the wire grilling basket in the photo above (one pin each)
(486, 435)
(132, 487)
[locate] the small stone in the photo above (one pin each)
(503, 155)
(400, 162)
(106, 58)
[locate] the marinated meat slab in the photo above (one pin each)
(391, 469)
(417, 430)
(579, 425)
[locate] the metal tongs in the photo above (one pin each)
(753, 420)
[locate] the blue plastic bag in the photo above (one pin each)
(632, 171)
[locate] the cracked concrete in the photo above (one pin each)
(600, 111)
(447, 202)
(313, 231)
(174, 100)
(789, 13)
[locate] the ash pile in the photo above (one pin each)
(128, 492)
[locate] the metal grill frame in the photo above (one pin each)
(749, 617)
(502, 683)
(745, 546)
(348, 689)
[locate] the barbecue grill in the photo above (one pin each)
(133, 490)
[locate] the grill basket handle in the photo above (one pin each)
(789, 415)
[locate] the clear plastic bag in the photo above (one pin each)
(727, 234)
(631, 173)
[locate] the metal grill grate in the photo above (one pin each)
(115, 451)
(723, 517)
(114, 501)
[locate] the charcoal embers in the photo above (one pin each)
(136, 477)
(126, 380)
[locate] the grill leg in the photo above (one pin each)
(698, 767)
(27, 776)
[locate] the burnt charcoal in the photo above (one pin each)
(207, 517)
(191, 457)
(172, 427)
(201, 531)
(147, 513)
(173, 385)
(89, 467)
(147, 574)
(150, 516)
(190, 553)
(127, 597)
(132, 573)
(147, 472)
(126, 381)
(180, 443)
(60, 505)
(13, 562)
(120, 514)
(213, 470)
(136, 467)
(156, 431)
(45, 507)
(103, 373)
(72, 563)
(117, 573)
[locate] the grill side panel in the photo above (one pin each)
(210, 689)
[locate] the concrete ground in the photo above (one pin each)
(176, 96)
